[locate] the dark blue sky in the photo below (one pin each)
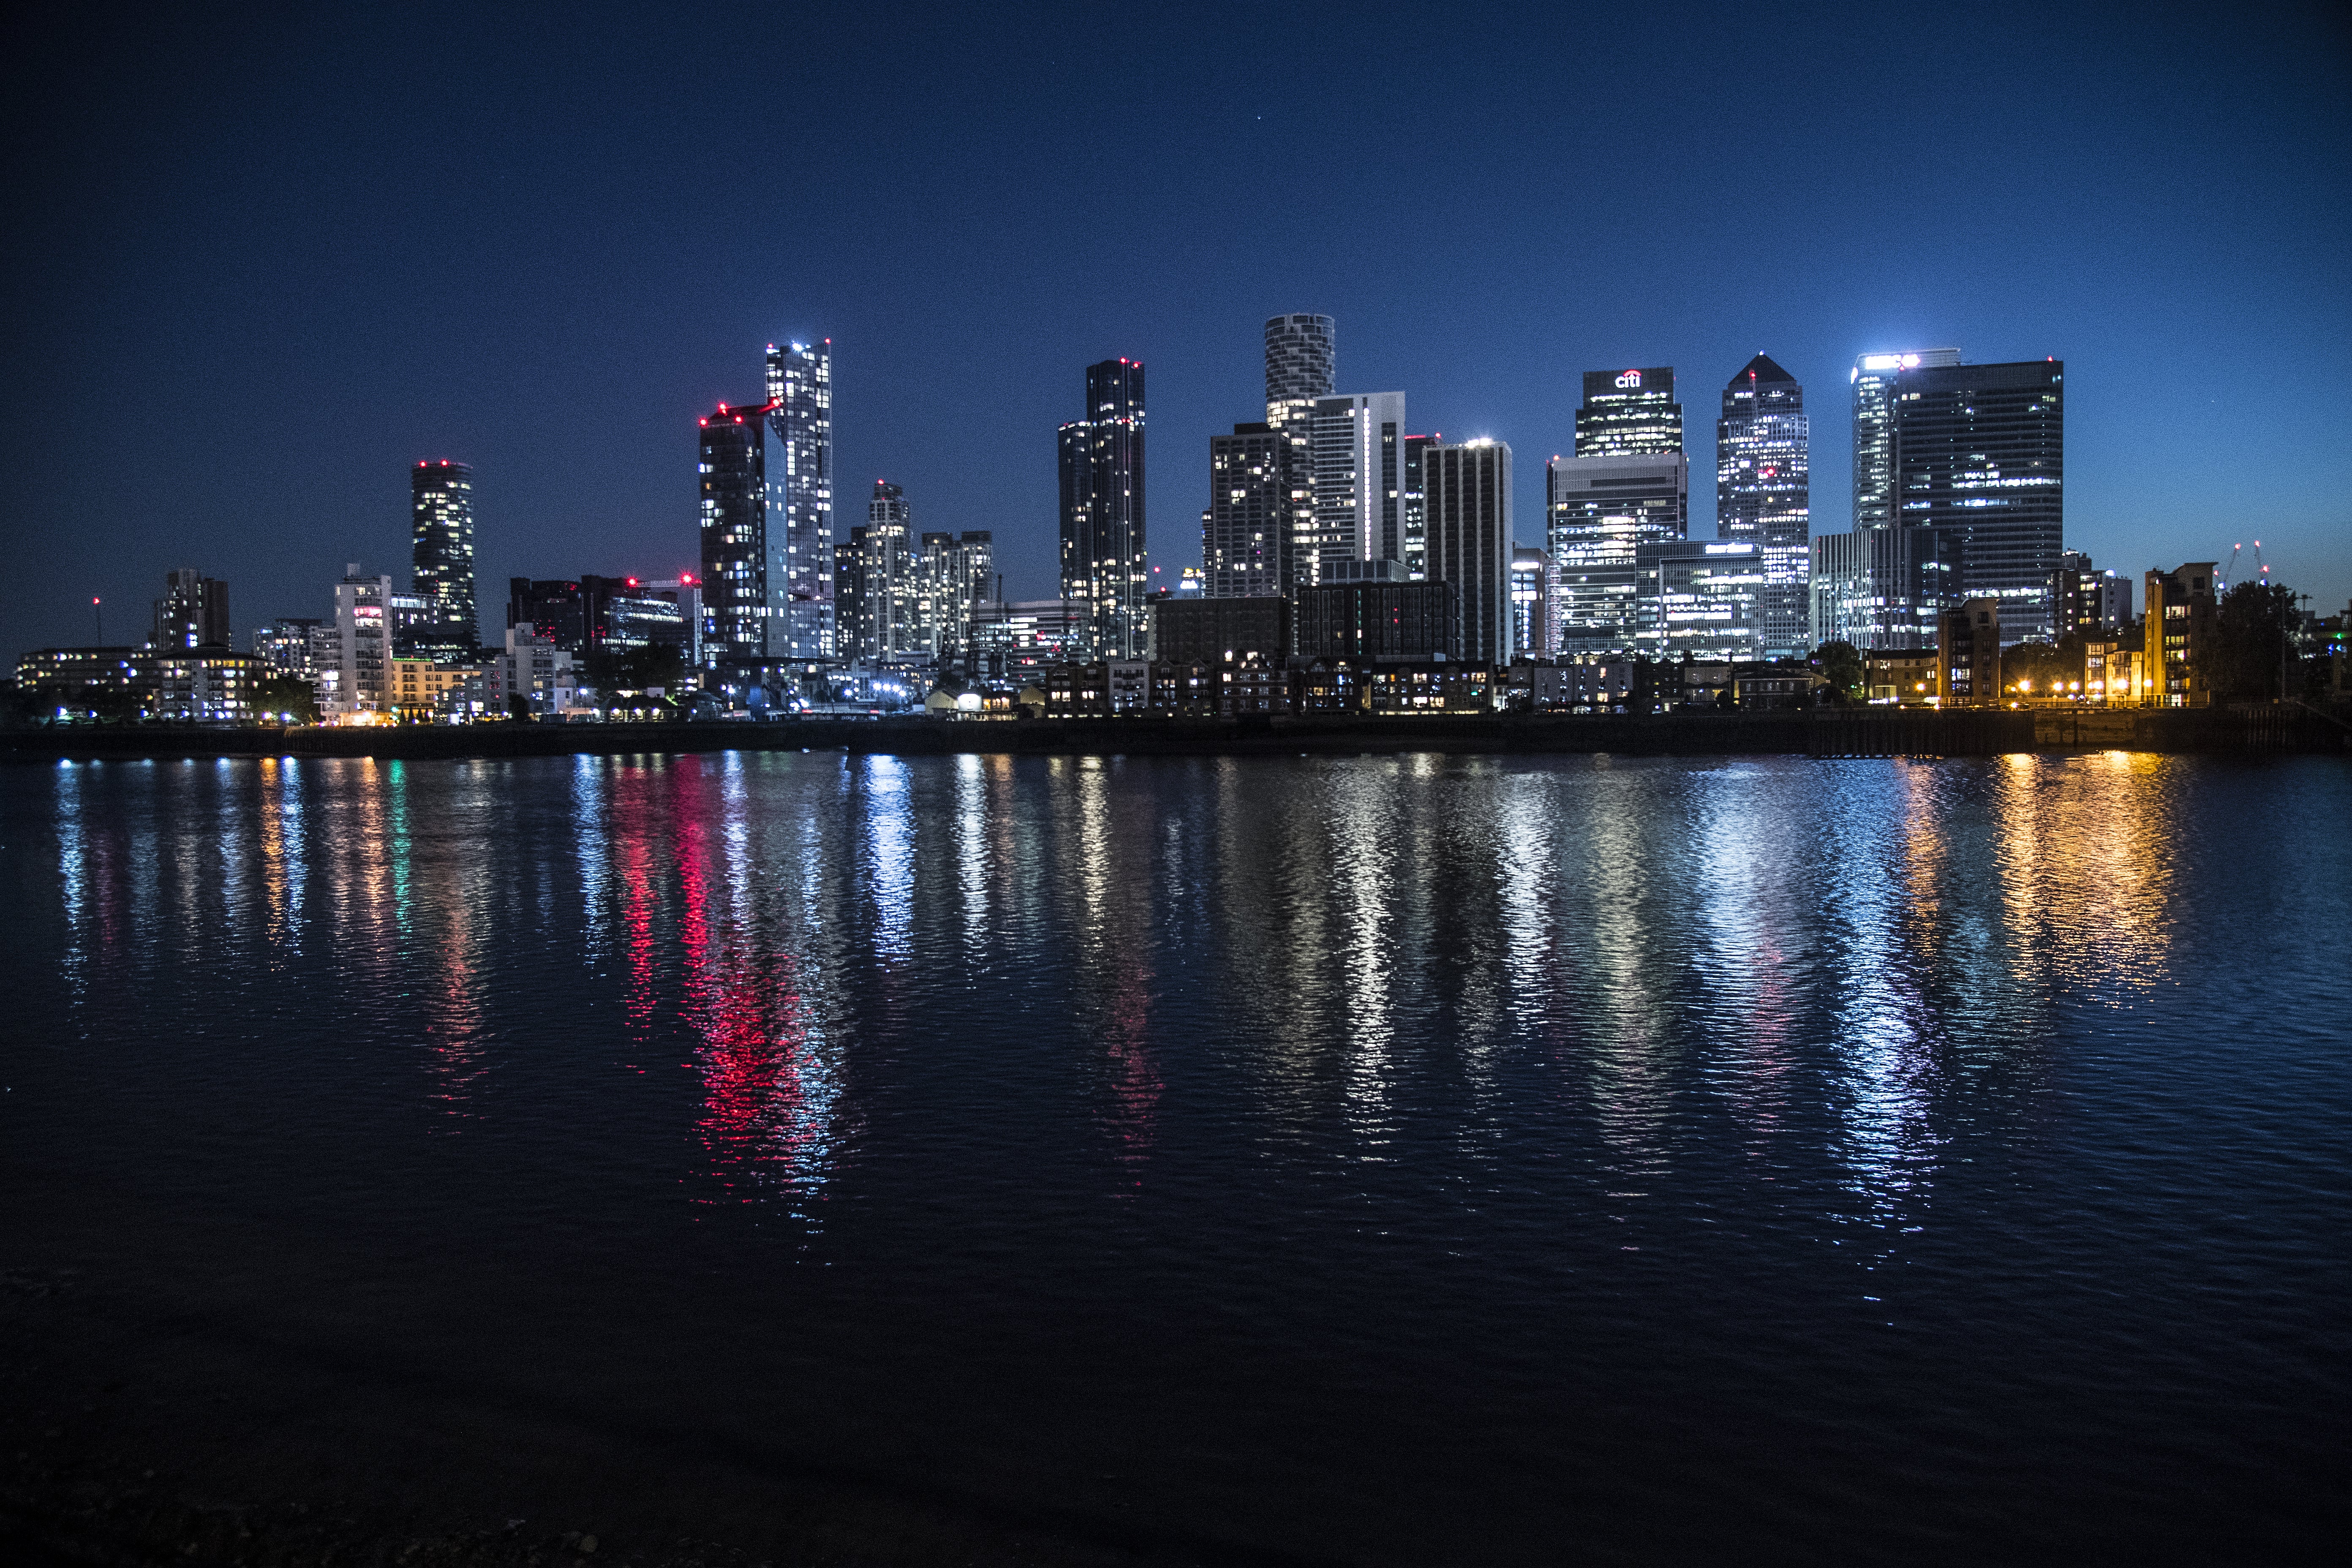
(259, 264)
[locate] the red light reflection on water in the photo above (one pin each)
(770, 1086)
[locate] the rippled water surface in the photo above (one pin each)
(1382, 1159)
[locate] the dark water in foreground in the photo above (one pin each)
(1390, 1160)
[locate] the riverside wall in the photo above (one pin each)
(1832, 732)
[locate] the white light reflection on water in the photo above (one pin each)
(284, 850)
(1621, 1014)
(887, 822)
(1112, 856)
(1885, 1061)
(73, 873)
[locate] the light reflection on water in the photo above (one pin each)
(1462, 1037)
(1371, 922)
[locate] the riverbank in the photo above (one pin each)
(1850, 731)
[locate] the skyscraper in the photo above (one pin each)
(800, 415)
(957, 572)
(1980, 453)
(193, 612)
(1468, 491)
(1762, 484)
(1300, 359)
(1872, 379)
(746, 601)
(1630, 414)
(1356, 446)
(892, 627)
(1600, 511)
(441, 508)
(1535, 587)
(1301, 354)
(1412, 509)
(1245, 533)
(1103, 564)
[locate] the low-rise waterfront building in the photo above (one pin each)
(1968, 654)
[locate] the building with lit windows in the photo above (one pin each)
(746, 575)
(2183, 613)
(2089, 602)
(1600, 511)
(1968, 653)
(1103, 544)
(957, 572)
(1356, 447)
(1980, 452)
(1378, 620)
(1246, 537)
(1467, 493)
(441, 558)
(1702, 598)
(1763, 493)
(1534, 588)
(373, 623)
(1883, 587)
(1873, 380)
(1412, 509)
(883, 607)
(289, 645)
(1301, 362)
(193, 612)
(1630, 414)
(800, 420)
(1017, 638)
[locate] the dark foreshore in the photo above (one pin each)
(1842, 733)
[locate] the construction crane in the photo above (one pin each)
(2231, 572)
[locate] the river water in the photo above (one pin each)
(1381, 1160)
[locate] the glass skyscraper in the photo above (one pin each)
(441, 508)
(1630, 414)
(1762, 495)
(1872, 379)
(1103, 565)
(1980, 454)
(799, 415)
(1599, 512)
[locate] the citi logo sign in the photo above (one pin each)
(1631, 378)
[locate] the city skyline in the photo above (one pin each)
(2157, 238)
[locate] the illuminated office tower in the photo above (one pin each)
(1356, 444)
(1245, 541)
(1468, 491)
(1600, 511)
(799, 417)
(1980, 454)
(1103, 565)
(1872, 379)
(1301, 354)
(1762, 496)
(1701, 599)
(441, 510)
(1630, 414)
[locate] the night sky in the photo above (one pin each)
(258, 265)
